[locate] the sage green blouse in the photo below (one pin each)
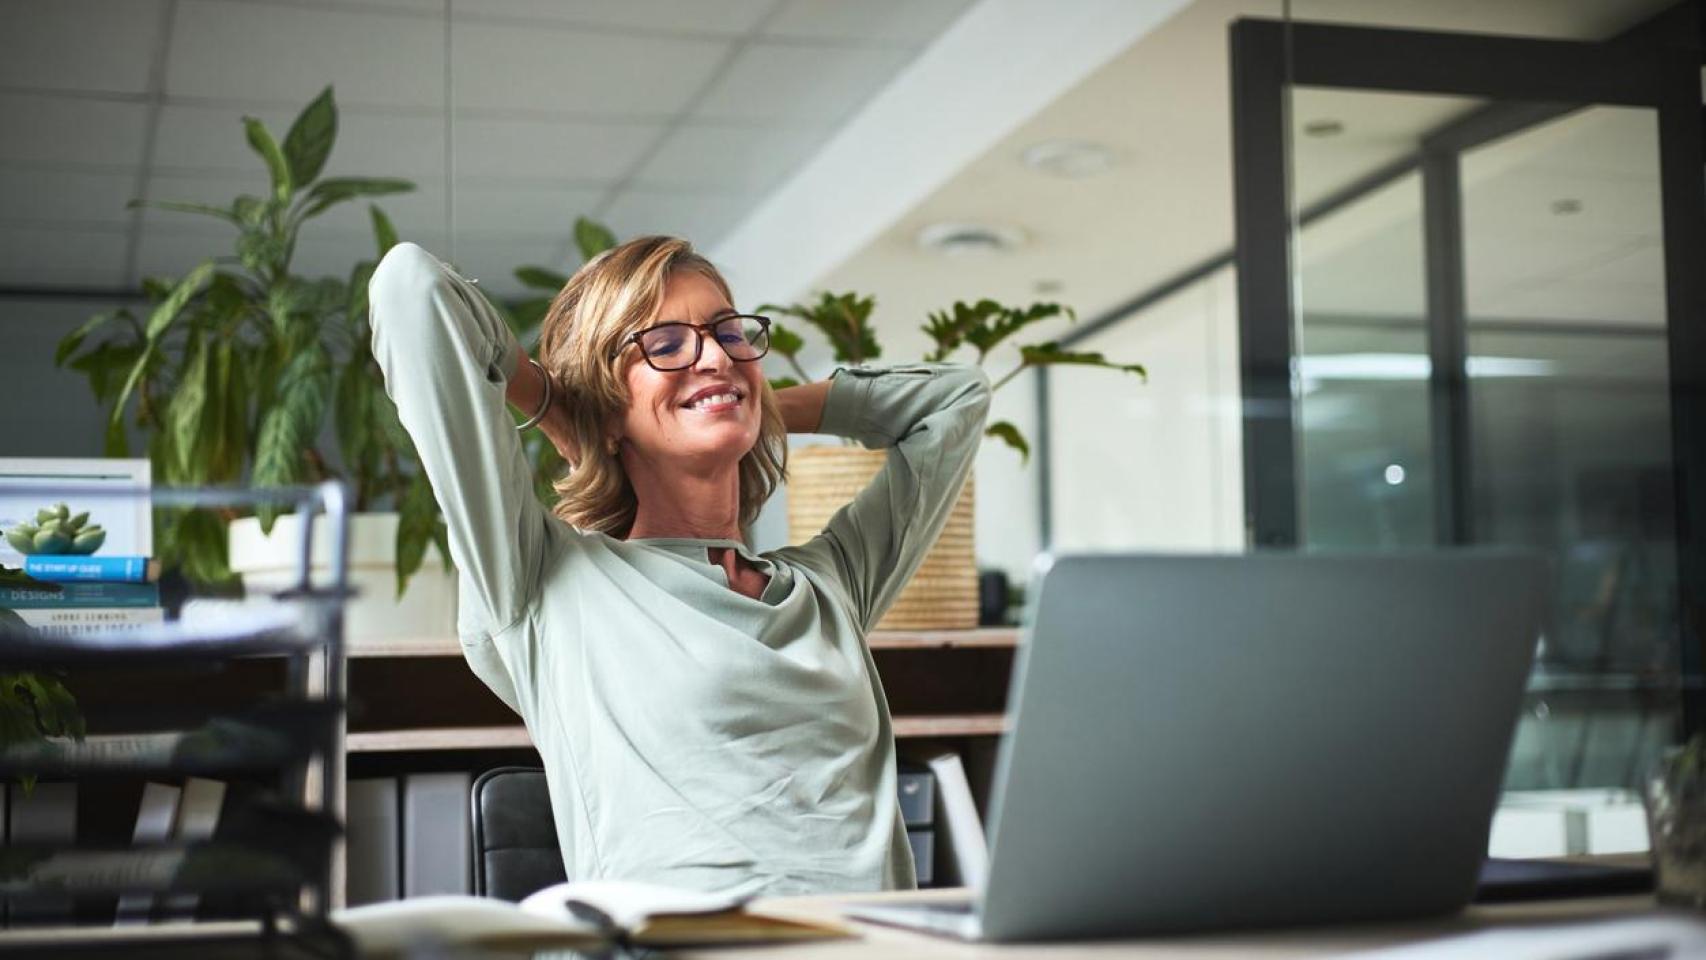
(690, 735)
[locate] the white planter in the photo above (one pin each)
(375, 616)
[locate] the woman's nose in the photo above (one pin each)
(712, 356)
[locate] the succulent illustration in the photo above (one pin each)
(55, 530)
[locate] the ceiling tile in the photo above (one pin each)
(61, 130)
(92, 45)
(913, 22)
(700, 218)
(286, 54)
(70, 196)
(550, 150)
(539, 211)
(724, 17)
(735, 159)
(41, 257)
(500, 67)
(771, 81)
(369, 144)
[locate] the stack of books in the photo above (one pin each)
(84, 594)
(103, 525)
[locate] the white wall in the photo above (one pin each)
(1156, 466)
(45, 411)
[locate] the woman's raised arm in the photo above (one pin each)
(448, 358)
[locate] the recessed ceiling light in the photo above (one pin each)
(1072, 159)
(1324, 128)
(970, 239)
(1564, 206)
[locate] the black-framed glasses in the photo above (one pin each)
(676, 345)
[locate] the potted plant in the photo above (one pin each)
(943, 593)
(1676, 824)
(234, 371)
(34, 705)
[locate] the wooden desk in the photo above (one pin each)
(890, 942)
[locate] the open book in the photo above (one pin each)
(575, 915)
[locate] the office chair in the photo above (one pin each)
(515, 839)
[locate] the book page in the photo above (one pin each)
(623, 905)
(399, 925)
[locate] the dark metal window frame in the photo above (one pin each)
(1656, 65)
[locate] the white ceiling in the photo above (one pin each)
(1164, 109)
(653, 115)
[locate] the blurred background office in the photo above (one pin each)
(1478, 340)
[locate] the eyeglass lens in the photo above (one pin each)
(672, 346)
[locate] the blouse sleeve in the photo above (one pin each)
(447, 356)
(930, 418)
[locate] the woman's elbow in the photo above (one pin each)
(405, 276)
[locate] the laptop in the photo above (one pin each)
(1208, 742)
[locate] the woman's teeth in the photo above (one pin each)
(715, 398)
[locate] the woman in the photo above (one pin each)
(708, 717)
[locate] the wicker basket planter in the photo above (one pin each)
(942, 595)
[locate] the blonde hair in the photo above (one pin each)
(611, 296)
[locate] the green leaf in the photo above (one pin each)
(115, 443)
(355, 303)
(783, 383)
(229, 450)
(328, 193)
(176, 207)
(1003, 322)
(384, 234)
(592, 238)
(1049, 354)
(71, 341)
(184, 419)
(417, 518)
(106, 367)
(250, 210)
(287, 299)
(292, 425)
(541, 279)
(264, 252)
(983, 324)
(310, 139)
(159, 321)
(261, 141)
(844, 319)
(1007, 432)
(785, 342)
(353, 416)
(197, 541)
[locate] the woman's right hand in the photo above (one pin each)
(526, 389)
(555, 426)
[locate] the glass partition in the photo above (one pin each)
(1481, 357)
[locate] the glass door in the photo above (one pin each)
(1483, 329)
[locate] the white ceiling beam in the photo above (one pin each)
(994, 68)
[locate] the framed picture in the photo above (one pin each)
(82, 485)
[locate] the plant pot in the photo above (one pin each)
(1676, 826)
(375, 616)
(942, 595)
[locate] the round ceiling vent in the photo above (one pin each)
(1071, 159)
(970, 239)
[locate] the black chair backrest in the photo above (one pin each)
(515, 838)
